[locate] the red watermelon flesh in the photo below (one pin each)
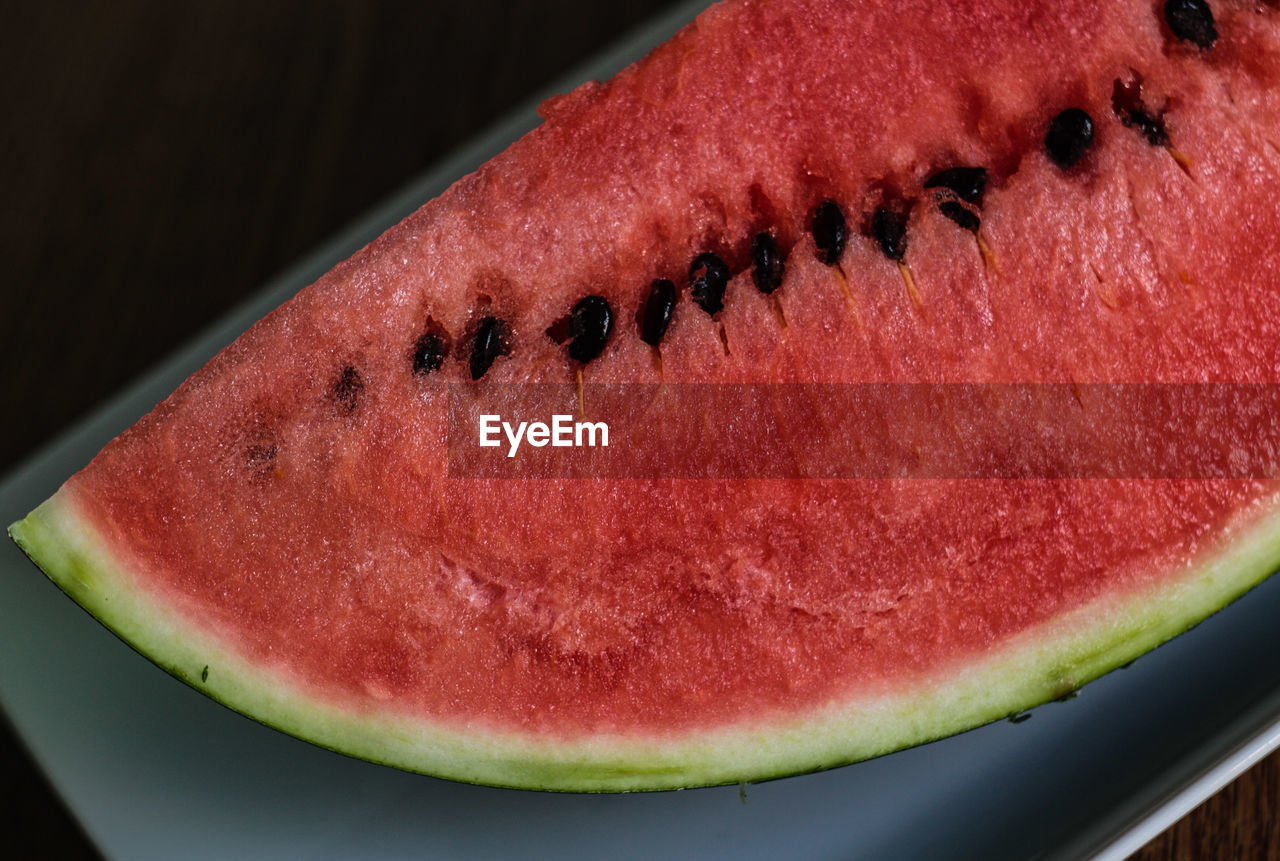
(284, 532)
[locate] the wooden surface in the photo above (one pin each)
(160, 161)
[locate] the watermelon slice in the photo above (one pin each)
(789, 194)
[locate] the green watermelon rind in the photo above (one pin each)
(1036, 667)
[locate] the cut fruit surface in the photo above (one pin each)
(793, 194)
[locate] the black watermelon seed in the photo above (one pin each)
(658, 310)
(1191, 21)
(708, 279)
(969, 183)
(957, 212)
(767, 262)
(1150, 127)
(830, 231)
(558, 331)
(1069, 137)
(890, 230)
(488, 346)
(260, 455)
(429, 353)
(1126, 101)
(590, 323)
(346, 391)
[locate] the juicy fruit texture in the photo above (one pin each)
(283, 531)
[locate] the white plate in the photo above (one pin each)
(154, 770)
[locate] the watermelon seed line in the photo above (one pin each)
(988, 256)
(910, 282)
(777, 310)
(1182, 160)
(843, 281)
(957, 194)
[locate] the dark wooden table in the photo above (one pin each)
(174, 156)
